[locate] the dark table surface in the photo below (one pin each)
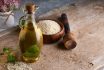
(44, 6)
(47, 5)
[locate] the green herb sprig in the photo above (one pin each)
(10, 58)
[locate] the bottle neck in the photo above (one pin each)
(30, 20)
(30, 16)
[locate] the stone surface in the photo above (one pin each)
(86, 19)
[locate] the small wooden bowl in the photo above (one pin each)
(48, 39)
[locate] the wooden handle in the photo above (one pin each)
(65, 22)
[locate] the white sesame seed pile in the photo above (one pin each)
(49, 27)
(18, 66)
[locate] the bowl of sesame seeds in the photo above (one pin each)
(52, 30)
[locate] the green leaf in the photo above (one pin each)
(6, 50)
(28, 54)
(33, 51)
(23, 22)
(11, 58)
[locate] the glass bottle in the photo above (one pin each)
(30, 38)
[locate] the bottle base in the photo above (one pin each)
(29, 60)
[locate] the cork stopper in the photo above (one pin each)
(30, 8)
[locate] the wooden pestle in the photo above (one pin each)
(68, 39)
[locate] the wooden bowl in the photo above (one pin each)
(47, 39)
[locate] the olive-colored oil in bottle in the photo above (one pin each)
(30, 38)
